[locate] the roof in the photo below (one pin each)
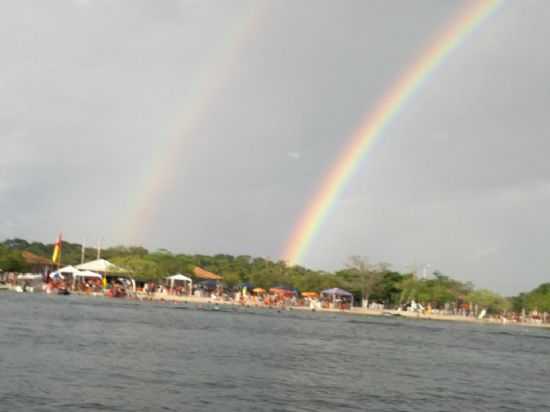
(67, 269)
(32, 259)
(336, 292)
(87, 274)
(204, 274)
(101, 265)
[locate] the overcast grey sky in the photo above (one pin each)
(204, 127)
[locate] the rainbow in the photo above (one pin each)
(374, 123)
(160, 177)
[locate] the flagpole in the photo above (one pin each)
(83, 253)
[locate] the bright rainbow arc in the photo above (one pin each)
(373, 125)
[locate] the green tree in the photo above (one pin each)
(363, 276)
(491, 301)
(11, 260)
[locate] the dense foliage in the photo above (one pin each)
(11, 260)
(538, 299)
(374, 282)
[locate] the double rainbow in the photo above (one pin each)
(385, 110)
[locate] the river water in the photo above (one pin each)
(69, 353)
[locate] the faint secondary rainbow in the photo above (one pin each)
(210, 79)
(384, 111)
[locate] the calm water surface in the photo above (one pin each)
(72, 353)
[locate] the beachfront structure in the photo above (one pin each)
(102, 266)
(67, 271)
(210, 286)
(178, 278)
(200, 273)
(109, 273)
(87, 274)
(337, 298)
(36, 264)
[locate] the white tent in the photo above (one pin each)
(68, 269)
(102, 266)
(86, 274)
(181, 278)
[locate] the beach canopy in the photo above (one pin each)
(310, 294)
(179, 276)
(336, 292)
(67, 269)
(101, 265)
(258, 290)
(86, 274)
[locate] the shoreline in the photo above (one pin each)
(359, 311)
(354, 311)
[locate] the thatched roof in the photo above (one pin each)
(204, 274)
(32, 259)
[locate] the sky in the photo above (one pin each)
(205, 127)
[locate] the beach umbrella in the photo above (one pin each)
(258, 291)
(310, 294)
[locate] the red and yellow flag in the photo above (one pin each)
(56, 257)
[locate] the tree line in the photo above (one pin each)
(375, 282)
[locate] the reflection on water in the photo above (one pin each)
(72, 353)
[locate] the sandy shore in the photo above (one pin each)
(355, 311)
(163, 297)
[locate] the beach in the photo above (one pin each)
(174, 299)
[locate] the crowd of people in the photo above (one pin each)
(282, 297)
